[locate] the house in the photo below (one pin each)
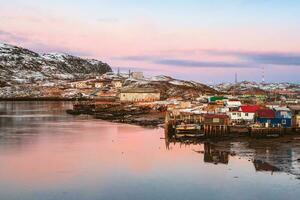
(283, 112)
(246, 113)
(215, 119)
(117, 83)
(81, 85)
(217, 98)
(295, 109)
(137, 75)
(232, 103)
(271, 118)
(102, 83)
(139, 95)
(213, 107)
(266, 116)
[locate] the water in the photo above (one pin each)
(47, 154)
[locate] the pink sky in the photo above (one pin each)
(147, 42)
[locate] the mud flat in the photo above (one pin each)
(122, 113)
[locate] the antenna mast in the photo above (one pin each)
(263, 74)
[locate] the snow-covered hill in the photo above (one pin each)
(19, 65)
(258, 88)
(170, 87)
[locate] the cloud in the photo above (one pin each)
(241, 59)
(7, 36)
(192, 63)
(269, 58)
(186, 63)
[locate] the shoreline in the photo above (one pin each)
(42, 99)
(148, 120)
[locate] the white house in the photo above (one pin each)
(245, 113)
(233, 103)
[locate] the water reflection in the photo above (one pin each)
(279, 155)
(46, 154)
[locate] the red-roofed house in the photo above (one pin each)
(265, 113)
(249, 108)
(245, 113)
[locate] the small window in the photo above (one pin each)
(216, 120)
(246, 114)
(233, 113)
(283, 121)
(239, 114)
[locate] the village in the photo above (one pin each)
(206, 114)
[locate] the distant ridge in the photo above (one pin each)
(19, 65)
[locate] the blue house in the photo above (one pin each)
(275, 118)
(276, 122)
(283, 112)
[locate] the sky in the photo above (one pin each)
(201, 40)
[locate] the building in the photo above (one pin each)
(217, 98)
(295, 109)
(271, 118)
(215, 119)
(246, 113)
(283, 112)
(137, 75)
(117, 83)
(102, 83)
(139, 95)
(81, 85)
(232, 103)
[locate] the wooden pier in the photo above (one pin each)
(183, 126)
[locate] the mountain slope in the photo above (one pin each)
(19, 65)
(170, 87)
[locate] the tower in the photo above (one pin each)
(236, 79)
(118, 71)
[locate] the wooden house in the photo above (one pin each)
(139, 95)
(295, 109)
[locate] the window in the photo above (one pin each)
(216, 120)
(233, 113)
(239, 114)
(283, 121)
(246, 114)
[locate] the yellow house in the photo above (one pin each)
(139, 95)
(117, 83)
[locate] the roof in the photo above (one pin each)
(217, 98)
(281, 109)
(140, 90)
(250, 108)
(266, 113)
(294, 107)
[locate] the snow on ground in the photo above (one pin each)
(2, 45)
(177, 82)
(55, 56)
(160, 78)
